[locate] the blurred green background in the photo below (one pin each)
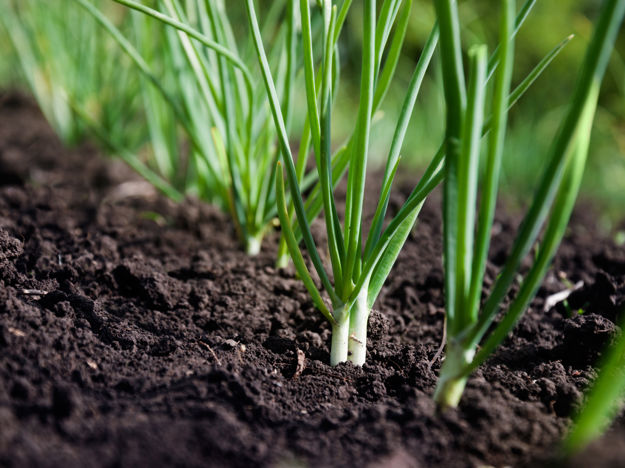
(533, 121)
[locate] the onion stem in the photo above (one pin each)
(470, 324)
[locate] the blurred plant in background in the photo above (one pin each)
(84, 84)
(74, 71)
(185, 115)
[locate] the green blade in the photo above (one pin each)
(238, 193)
(520, 19)
(287, 157)
(466, 177)
(414, 202)
(556, 227)
(358, 164)
(221, 50)
(455, 98)
(398, 138)
(592, 72)
(309, 75)
(494, 156)
(536, 72)
(325, 170)
(393, 54)
(296, 255)
(394, 246)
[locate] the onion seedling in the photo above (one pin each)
(207, 90)
(358, 266)
(467, 232)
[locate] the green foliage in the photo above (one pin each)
(84, 84)
(197, 89)
(72, 70)
(534, 120)
(359, 264)
(467, 231)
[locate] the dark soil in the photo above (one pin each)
(134, 332)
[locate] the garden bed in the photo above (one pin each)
(135, 332)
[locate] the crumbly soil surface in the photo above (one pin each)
(134, 332)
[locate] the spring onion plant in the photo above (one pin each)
(604, 399)
(312, 134)
(471, 331)
(200, 93)
(358, 265)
